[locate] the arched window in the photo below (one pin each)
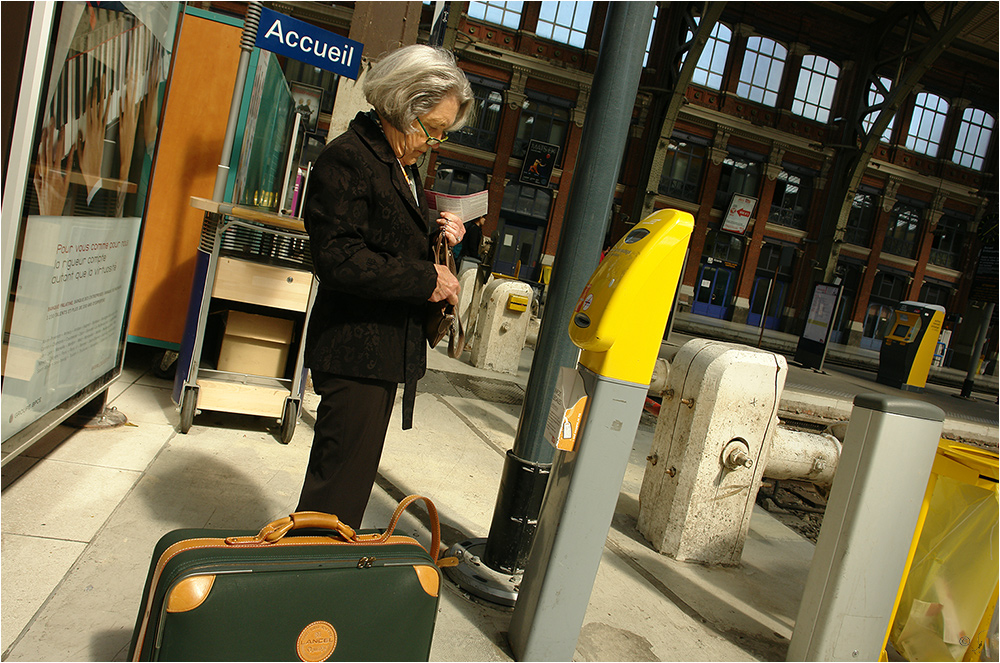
(712, 63)
(763, 64)
(927, 124)
(973, 138)
(566, 22)
(876, 97)
(507, 14)
(814, 91)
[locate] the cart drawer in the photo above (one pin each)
(225, 396)
(266, 285)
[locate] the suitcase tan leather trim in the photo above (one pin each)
(430, 579)
(190, 593)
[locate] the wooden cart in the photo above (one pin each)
(257, 265)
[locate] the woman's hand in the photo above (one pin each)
(452, 227)
(446, 287)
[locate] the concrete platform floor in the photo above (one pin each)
(82, 510)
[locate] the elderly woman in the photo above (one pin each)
(371, 234)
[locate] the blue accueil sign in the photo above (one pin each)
(301, 41)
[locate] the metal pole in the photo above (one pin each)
(246, 46)
(977, 351)
(605, 131)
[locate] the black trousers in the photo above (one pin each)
(351, 423)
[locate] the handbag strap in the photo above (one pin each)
(456, 335)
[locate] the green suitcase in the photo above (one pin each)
(306, 587)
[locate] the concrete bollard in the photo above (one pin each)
(709, 450)
(500, 332)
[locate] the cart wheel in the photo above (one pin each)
(288, 421)
(189, 404)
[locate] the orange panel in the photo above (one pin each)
(193, 128)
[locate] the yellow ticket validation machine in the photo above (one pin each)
(618, 324)
(908, 346)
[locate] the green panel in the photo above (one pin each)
(241, 126)
(166, 345)
(261, 167)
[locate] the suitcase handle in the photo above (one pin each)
(435, 523)
(276, 530)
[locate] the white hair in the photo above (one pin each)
(411, 81)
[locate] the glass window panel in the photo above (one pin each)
(927, 124)
(494, 15)
(544, 122)
(76, 238)
(974, 136)
(791, 200)
(565, 22)
(503, 13)
(477, 9)
(712, 63)
(481, 132)
(649, 38)
(760, 75)
(682, 171)
(901, 236)
(949, 240)
(861, 219)
(564, 13)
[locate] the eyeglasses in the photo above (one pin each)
(431, 140)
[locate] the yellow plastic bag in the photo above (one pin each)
(951, 583)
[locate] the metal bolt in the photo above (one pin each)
(736, 455)
(653, 459)
(854, 653)
(687, 401)
(672, 472)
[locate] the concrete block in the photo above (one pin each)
(709, 450)
(501, 329)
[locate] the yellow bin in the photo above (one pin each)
(949, 590)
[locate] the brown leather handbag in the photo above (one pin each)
(441, 316)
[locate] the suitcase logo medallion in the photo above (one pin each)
(316, 642)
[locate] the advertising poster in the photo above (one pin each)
(815, 339)
(821, 312)
(68, 311)
(539, 161)
(738, 215)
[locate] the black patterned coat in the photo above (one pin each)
(371, 251)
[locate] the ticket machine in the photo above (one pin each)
(618, 324)
(909, 344)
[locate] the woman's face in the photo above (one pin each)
(410, 146)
